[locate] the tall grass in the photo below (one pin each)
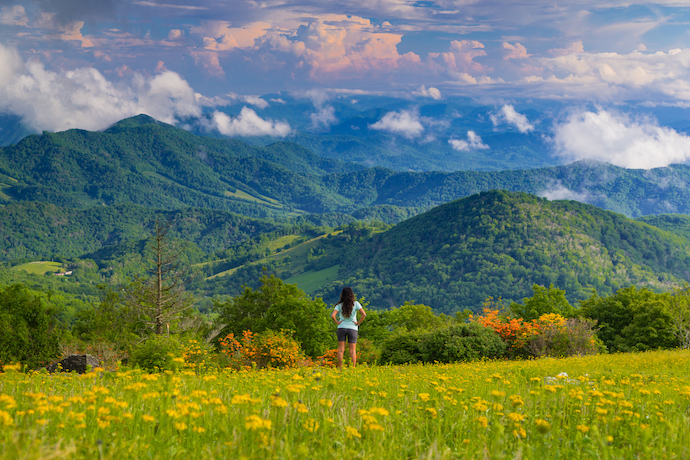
(606, 406)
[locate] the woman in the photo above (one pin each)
(345, 316)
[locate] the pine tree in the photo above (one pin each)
(160, 298)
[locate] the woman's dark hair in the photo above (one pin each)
(347, 302)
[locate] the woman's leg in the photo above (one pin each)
(341, 352)
(353, 353)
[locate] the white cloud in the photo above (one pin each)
(432, 92)
(406, 123)
(248, 123)
(323, 117)
(84, 98)
(473, 142)
(509, 115)
(619, 140)
(559, 192)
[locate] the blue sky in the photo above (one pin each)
(84, 63)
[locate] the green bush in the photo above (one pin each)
(29, 331)
(461, 342)
(158, 353)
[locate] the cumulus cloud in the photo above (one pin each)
(473, 142)
(405, 123)
(516, 51)
(432, 92)
(510, 116)
(84, 98)
(459, 61)
(619, 140)
(248, 123)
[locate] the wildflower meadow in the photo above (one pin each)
(605, 406)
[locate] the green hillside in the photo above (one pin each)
(498, 244)
(149, 163)
(36, 231)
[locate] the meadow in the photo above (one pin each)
(606, 406)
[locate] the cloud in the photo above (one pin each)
(323, 117)
(248, 123)
(341, 47)
(13, 16)
(619, 140)
(558, 191)
(175, 34)
(459, 62)
(508, 115)
(473, 142)
(432, 92)
(405, 123)
(516, 51)
(84, 98)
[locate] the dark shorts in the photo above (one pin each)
(347, 335)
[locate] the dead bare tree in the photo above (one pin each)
(160, 298)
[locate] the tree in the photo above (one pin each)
(679, 307)
(160, 299)
(29, 332)
(277, 306)
(544, 300)
(632, 319)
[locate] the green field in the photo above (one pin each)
(313, 280)
(39, 268)
(630, 406)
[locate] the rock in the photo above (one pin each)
(78, 363)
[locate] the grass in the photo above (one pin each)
(39, 268)
(310, 281)
(298, 255)
(599, 407)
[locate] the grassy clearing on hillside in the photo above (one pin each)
(260, 199)
(298, 255)
(313, 280)
(39, 268)
(607, 406)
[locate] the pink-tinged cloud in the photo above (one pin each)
(573, 48)
(459, 62)
(175, 34)
(219, 36)
(516, 51)
(13, 16)
(209, 61)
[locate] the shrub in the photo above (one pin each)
(461, 342)
(158, 353)
(559, 338)
(265, 349)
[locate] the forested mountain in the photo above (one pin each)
(37, 231)
(156, 165)
(499, 244)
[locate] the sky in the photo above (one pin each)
(88, 63)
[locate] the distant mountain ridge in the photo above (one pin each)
(142, 161)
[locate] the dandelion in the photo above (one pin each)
(432, 412)
(542, 426)
(352, 432)
(423, 396)
(582, 429)
(277, 401)
(254, 422)
(180, 426)
(310, 425)
(326, 402)
(483, 421)
(148, 418)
